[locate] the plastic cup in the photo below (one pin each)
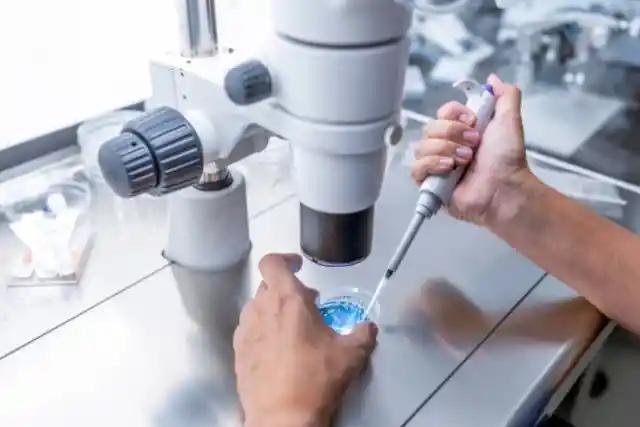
(344, 308)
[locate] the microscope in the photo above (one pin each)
(329, 80)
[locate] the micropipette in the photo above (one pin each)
(436, 190)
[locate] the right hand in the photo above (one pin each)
(451, 141)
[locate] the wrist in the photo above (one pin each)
(511, 197)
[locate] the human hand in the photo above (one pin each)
(292, 369)
(450, 141)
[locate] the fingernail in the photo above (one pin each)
(465, 118)
(464, 152)
(374, 328)
(447, 161)
(296, 265)
(471, 136)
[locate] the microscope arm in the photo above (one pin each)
(345, 144)
(329, 80)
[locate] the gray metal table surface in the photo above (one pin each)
(129, 237)
(139, 359)
(526, 367)
(134, 226)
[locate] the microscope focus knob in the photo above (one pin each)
(248, 82)
(157, 153)
(127, 165)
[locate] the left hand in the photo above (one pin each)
(292, 369)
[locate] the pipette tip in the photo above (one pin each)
(388, 274)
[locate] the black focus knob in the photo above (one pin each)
(157, 153)
(248, 83)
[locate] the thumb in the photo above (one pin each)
(509, 96)
(362, 338)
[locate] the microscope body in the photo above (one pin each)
(329, 80)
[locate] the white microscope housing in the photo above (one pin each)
(329, 80)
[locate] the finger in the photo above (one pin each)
(362, 338)
(456, 111)
(452, 131)
(509, 97)
(248, 314)
(431, 165)
(238, 338)
(262, 289)
(294, 261)
(278, 272)
(312, 294)
(443, 148)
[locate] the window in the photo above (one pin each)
(68, 60)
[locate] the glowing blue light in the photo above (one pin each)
(343, 314)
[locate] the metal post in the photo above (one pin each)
(198, 28)
(214, 178)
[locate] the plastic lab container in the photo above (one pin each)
(48, 211)
(344, 308)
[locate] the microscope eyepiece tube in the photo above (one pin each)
(336, 240)
(198, 28)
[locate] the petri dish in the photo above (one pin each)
(345, 308)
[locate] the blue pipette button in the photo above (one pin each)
(342, 314)
(488, 88)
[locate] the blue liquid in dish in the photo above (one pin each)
(343, 314)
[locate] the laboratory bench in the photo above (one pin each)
(128, 237)
(472, 334)
(467, 323)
